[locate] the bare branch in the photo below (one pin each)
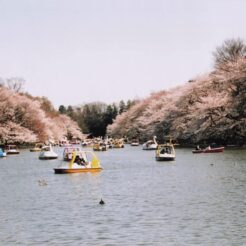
(16, 84)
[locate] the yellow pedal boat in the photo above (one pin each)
(82, 161)
(37, 147)
(165, 152)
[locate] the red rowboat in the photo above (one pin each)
(208, 150)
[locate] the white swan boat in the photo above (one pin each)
(47, 153)
(151, 144)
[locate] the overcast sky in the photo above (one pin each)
(76, 51)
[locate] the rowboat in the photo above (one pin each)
(82, 161)
(208, 150)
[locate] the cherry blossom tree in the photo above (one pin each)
(23, 119)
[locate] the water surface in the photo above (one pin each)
(195, 200)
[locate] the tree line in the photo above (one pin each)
(211, 108)
(93, 118)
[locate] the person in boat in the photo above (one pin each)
(80, 161)
(198, 147)
(163, 151)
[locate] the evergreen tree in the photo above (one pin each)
(62, 109)
(128, 104)
(122, 107)
(70, 112)
(115, 111)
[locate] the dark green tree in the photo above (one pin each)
(122, 107)
(93, 118)
(62, 109)
(115, 111)
(129, 104)
(108, 115)
(70, 112)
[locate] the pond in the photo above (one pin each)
(198, 199)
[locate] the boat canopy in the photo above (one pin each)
(46, 148)
(88, 156)
(71, 149)
(12, 146)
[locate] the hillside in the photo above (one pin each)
(26, 119)
(211, 108)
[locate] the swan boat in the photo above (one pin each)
(82, 161)
(11, 150)
(165, 152)
(151, 144)
(47, 153)
(2, 153)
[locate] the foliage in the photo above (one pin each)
(28, 119)
(229, 51)
(210, 109)
(62, 109)
(93, 118)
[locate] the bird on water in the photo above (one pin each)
(101, 202)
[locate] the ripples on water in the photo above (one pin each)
(185, 202)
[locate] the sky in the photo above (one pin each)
(79, 51)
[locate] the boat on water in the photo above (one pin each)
(135, 142)
(82, 161)
(87, 144)
(37, 147)
(100, 147)
(11, 149)
(68, 152)
(118, 143)
(64, 143)
(47, 153)
(208, 150)
(165, 152)
(2, 153)
(151, 144)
